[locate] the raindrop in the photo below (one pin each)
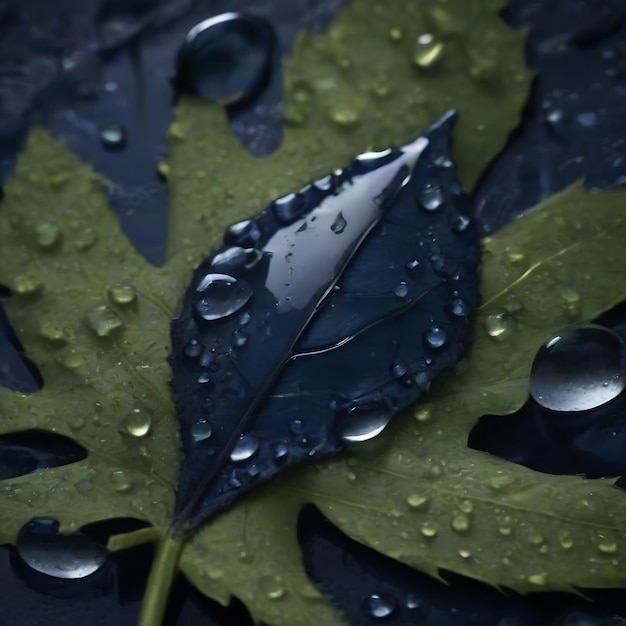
(423, 414)
(435, 337)
(431, 197)
(498, 324)
(460, 523)
(427, 51)
(401, 290)
(120, 481)
(296, 426)
(26, 284)
(458, 308)
(459, 223)
(244, 318)
(204, 378)
(379, 605)
(70, 556)
(578, 369)
(362, 422)
(112, 136)
(413, 266)
(344, 116)
(539, 579)
(122, 294)
(239, 339)
(417, 501)
(280, 451)
(226, 58)
(272, 586)
(244, 233)
(422, 379)
(339, 225)
(103, 320)
(201, 430)
(48, 235)
(137, 423)
(220, 295)
(428, 529)
(398, 370)
(193, 349)
(245, 448)
(465, 553)
(230, 259)
(289, 208)
(566, 540)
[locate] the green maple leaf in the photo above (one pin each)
(94, 317)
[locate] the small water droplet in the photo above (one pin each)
(398, 370)
(466, 506)
(204, 378)
(122, 294)
(26, 284)
(465, 553)
(50, 330)
(103, 320)
(112, 136)
(339, 225)
(244, 319)
(239, 339)
(417, 501)
(48, 235)
(344, 116)
(272, 586)
(538, 579)
(281, 451)
(413, 267)
(137, 423)
(120, 481)
(86, 239)
(566, 539)
(431, 197)
(461, 523)
(201, 430)
(605, 543)
(423, 413)
(245, 448)
(401, 290)
(587, 120)
(360, 423)
(220, 295)
(428, 529)
(578, 369)
(193, 349)
(296, 426)
(379, 605)
(458, 308)
(499, 324)
(505, 525)
(427, 51)
(459, 223)
(435, 337)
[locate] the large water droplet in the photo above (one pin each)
(226, 58)
(458, 308)
(244, 449)
(273, 586)
(401, 290)
(428, 529)
(193, 349)
(45, 550)
(461, 523)
(417, 500)
(379, 605)
(120, 481)
(48, 235)
(362, 422)
(103, 320)
(112, 136)
(230, 259)
(220, 295)
(289, 207)
(435, 337)
(431, 197)
(578, 369)
(499, 324)
(244, 234)
(201, 430)
(137, 423)
(427, 51)
(339, 225)
(122, 294)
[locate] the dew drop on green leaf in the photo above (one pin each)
(137, 423)
(122, 294)
(103, 320)
(48, 235)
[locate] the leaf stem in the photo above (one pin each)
(162, 573)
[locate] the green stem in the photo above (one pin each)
(162, 573)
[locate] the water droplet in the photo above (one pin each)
(435, 337)
(85, 239)
(193, 349)
(423, 414)
(566, 540)
(201, 430)
(244, 319)
(401, 290)
(289, 208)
(578, 369)
(26, 284)
(48, 235)
(465, 553)
(413, 267)
(226, 58)
(427, 51)
(417, 501)
(296, 426)
(66, 556)
(458, 308)
(466, 506)
(220, 295)
(587, 120)
(461, 523)
(204, 378)
(605, 543)
(50, 330)
(230, 259)
(499, 324)
(327, 183)
(239, 339)
(112, 136)
(459, 223)
(428, 529)
(281, 451)
(272, 586)
(431, 197)
(137, 423)
(245, 234)
(362, 422)
(538, 579)
(120, 481)
(398, 370)
(379, 605)
(344, 116)
(339, 225)
(422, 379)
(122, 294)
(245, 448)
(505, 525)
(103, 320)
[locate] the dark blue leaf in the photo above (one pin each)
(322, 317)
